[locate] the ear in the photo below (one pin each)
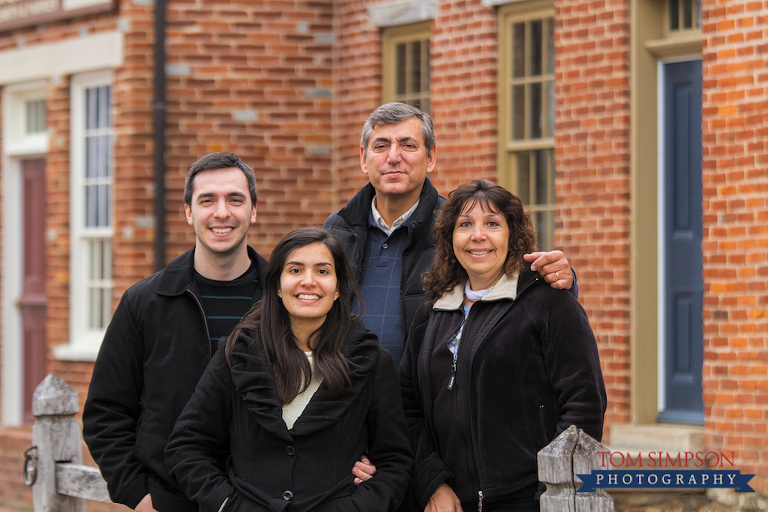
(336, 295)
(280, 293)
(363, 164)
(253, 215)
(188, 214)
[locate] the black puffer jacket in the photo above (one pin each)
(527, 369)
(308, 467)
(154, 351)
(350, 224)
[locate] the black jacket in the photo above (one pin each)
(154, 351)
(350, 224)
(528, 368)
(308, 467)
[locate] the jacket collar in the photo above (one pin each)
(506, 288)
(178, 276)
(254, 380)
(356, 211)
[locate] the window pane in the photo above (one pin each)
(674, 15)
(536, 111)
(518, 112)
(518, 50)
(524, 177)
(550, 29)
(416, 66)
(544, 189)
(537, 47)
(400, 67)
(550, 109)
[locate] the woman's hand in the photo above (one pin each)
(444, 500)
(363, 470)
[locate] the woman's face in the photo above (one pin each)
(308, 285)
(481, 244)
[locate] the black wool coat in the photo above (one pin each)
(308, 467)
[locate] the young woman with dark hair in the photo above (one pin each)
(301, 391)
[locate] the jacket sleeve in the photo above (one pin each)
(200, 431)
(388, 445)
(112, 409)
(429, 470)
(573, 366)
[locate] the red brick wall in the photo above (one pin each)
(254, 78)
(592, 182)
(735, 186)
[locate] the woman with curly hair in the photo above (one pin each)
(497, 363)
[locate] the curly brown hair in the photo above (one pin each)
(445, 272)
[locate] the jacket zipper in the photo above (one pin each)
(455, 354)
(458, 409)
(205, 322)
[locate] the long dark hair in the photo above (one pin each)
(445, 271)
(270, 324)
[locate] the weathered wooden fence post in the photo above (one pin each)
(56, 435)
(572, 452)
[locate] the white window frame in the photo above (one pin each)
(85, 340)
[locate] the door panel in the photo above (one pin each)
(683, 259)
(32, 303)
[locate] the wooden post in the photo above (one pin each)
(56, 435)
(572, 452)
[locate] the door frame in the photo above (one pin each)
(16, 147)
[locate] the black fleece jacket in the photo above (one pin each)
(527, 369)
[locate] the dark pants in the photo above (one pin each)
(511, 505)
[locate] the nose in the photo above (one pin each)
(222, 212)
(394, 153)
(478, 232)
(308, 280)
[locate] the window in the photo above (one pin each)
(527, 112)
(36, 116)
(406, 65)
(684, 15)
(92, 178)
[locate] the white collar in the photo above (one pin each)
(398, 222)
(505, 288)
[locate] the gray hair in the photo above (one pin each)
(219, 160)
(395, 113)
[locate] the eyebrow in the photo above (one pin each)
(404, 138)
(302, 264)
(228, 194)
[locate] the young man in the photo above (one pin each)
(386, 228)
(163, 334)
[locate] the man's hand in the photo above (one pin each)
(145, 505)
(444, 500)
(363, 470)
(553, 266)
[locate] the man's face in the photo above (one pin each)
(396, 161)
(221, 211)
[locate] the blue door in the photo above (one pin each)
(683, 266)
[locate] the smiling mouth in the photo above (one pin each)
(222, 231)
(479, 253)
(303, 296)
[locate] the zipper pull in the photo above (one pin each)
(480, 501)
(452, 380)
